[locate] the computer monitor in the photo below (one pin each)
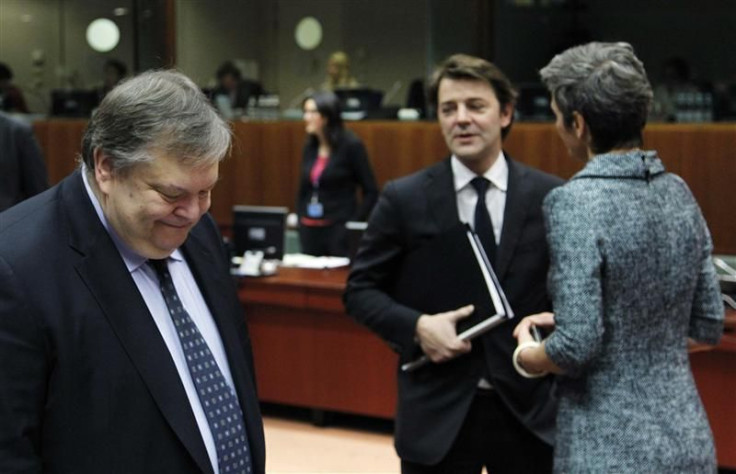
(359, 99)
(260, 228)
(73, 103)
(533, 103)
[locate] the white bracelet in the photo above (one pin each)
(518, 367)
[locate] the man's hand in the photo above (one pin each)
(437, 334)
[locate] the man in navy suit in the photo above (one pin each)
(22, 169)
(468, 408)
(123, 347)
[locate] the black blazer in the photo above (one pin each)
(22, 169)
(347, 169)
(434, 400)
(87, 384)
(244, 91)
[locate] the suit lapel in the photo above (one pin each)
(514, 216)
(441, 196)
(107, 278)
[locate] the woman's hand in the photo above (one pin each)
(522, 332)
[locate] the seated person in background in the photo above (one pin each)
(22, 169)
(11, 97)
(232, 93)
(675, 80)
(338, 72)
(334, 165)
(113, 71)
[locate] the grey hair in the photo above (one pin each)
(607, 84)
(160, 111)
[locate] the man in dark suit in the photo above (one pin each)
(234, 91)
(22, 170)
(468, 408)
(123, 347)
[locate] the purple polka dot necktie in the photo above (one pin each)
(219, 400)
(483, 225)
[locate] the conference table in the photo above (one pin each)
(310, 354)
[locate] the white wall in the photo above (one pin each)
(210, 32)
(385, 39)
(28, 26)
(56, 30)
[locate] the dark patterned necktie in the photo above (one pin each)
(219, 400)
(483, 225)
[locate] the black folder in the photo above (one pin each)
(448, 272)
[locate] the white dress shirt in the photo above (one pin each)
(186, 287)
(467, 197)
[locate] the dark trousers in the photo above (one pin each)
(492, 437)
(329, 240)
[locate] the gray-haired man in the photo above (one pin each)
(123, 346)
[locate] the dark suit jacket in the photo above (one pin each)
(245, 90)
(22, 170)
(434, 400)
(347, 169)
(87, 384)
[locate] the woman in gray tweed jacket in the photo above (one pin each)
(631, 279)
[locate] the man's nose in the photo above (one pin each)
(462, 114)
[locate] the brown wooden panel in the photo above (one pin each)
(315, 356)
(263, 168)
(61, 144)
(283, 343)
(356, 369)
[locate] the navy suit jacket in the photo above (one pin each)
(433, 401)
(87, 384)
(22, 170)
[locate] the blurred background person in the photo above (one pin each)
(334, 165)
(338, 72)
(113, 71)
(11, 97)
(232, 93)
(631, 277)
(22, 169)
(675, 82)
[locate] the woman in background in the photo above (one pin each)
(338, 73)
(334, 166)
(631, 279)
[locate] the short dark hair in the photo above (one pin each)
(119, 67)
(5, 72)
(463, 66)
(328, 106)
(228, 68)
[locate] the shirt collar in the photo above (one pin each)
(498, 174)
(132, 260)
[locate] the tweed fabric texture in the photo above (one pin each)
(631, 278)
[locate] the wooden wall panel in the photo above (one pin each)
(263, 168)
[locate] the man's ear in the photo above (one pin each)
(103, 169)
(507, 113)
